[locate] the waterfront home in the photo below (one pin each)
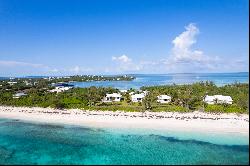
(60, 89)
(12, 82)
(209, 99)
(55, 90)
(123, 91)
(163, 99)
(218, 99)
(27, 83)
(137, 97)
(131, 93)
(112, 97)
(223, 99)
(18, 95)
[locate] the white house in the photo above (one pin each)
(27, 83)
(112, 97)
(18, 95)
(137, 97)
(131, 93)
(163, 99)
(218, 99)
(223, 99)
(209, 99)
(12, 82)
(123, 91)
(60, 89)
(145, 92)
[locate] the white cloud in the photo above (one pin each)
(183, 58)
(125, 64)
(77, 69)
(123, 58)
(54, 70)
(182, 51)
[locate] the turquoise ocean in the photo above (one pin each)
(40, 143)
(219, 79)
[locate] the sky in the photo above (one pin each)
(69, 37)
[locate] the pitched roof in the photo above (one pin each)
(164, 97)
(113, 95)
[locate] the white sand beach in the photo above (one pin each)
(193, 121)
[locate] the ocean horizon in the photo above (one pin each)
(219, 79)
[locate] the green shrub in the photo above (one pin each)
(214, 108)
(234, 109)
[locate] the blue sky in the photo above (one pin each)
(59, 37)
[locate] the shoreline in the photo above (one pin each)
(169, 121)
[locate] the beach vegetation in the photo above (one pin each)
(184, 98)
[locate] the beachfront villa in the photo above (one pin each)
(60, 89)
(218, 99)
(12, 82)
(163, 99)
(209, 99)
(145, 92)
(131, 93)
(18, 95)
(27, 83)
(113, 97)
(137, 97)
(123, 91)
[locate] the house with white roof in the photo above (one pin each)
(131, 93)
(123, 91)
(12, 82)
(223, 99)
(137, 97)
(163, 99)
(145, 92)
(60, 89)
(218, 99)
(209, 99)
(113, 97)
(27, 83)
(18, 95)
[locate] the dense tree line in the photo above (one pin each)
(191, 96)
(45, 82)
(184, 97)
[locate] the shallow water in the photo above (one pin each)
(219, 79)
(34, 143)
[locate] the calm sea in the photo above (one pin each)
(34, 143)
(219, 79)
